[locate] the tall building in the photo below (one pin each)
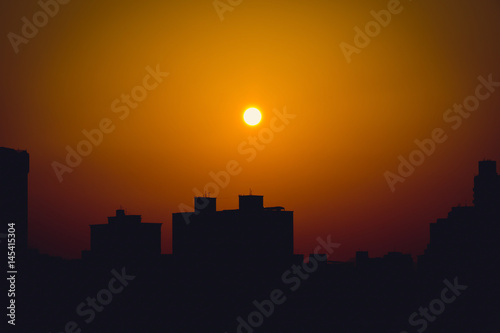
(124, 236)
(14, 168)
(251, 233)
(469, 235)
(487, 189)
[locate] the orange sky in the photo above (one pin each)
(351, 119)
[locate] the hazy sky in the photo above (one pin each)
(354, 102)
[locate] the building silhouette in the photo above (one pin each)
(14, 168)
(487, 190)
(235, 271)
(392, 262)
(124, 236)
(251, 233)
(468, 238)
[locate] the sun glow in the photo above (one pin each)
(252, 116)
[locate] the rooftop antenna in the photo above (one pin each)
(250, 191)
(123, 209)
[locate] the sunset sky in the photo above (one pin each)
(349, 117)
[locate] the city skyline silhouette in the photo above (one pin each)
(250, 166)
(235, 270)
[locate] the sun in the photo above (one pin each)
(252, 116)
